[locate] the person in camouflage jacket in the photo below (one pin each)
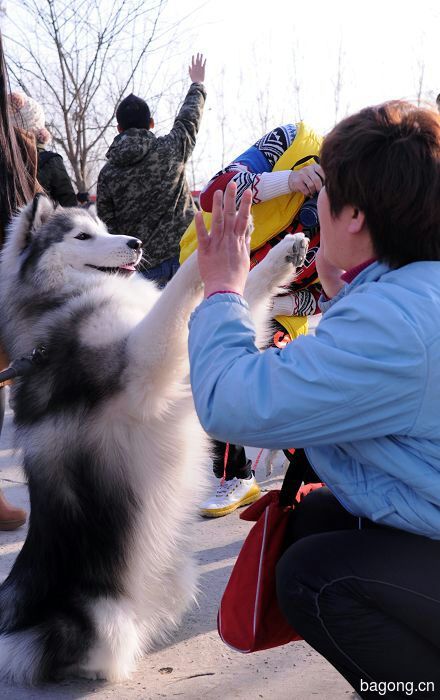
(142, 189)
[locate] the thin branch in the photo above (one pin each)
(70, 55)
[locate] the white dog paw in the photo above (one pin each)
(298, 245)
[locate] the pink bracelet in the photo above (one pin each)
(223, 291)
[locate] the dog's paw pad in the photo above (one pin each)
(300, 246)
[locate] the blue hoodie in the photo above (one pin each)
(363, 395)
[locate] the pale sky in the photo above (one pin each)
(383, 48)
(269, 63)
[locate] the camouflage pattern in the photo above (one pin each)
(142, 189)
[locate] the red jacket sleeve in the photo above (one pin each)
(218, 182)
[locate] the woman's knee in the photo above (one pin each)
(307, 567)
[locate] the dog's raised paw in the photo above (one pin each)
(300, 246)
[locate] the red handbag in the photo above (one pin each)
(249, 618)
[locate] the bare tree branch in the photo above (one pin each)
(71, 62)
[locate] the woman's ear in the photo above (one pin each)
(28, 222)
(357, 221)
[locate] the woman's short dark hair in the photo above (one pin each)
(385, 160)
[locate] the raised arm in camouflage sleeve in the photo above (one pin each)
(187, 123)
(104, 204)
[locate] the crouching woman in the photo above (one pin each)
(361, 578)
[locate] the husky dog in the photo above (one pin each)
(113, 452)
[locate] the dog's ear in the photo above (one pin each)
(32, 218)
(42, 209)
(25, 224)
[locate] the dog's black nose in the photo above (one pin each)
(134, 243)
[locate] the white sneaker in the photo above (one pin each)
(230, 495)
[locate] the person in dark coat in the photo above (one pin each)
(53, 177)
(28, 115)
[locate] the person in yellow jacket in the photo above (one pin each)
(283, 172)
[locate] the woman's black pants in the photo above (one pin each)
(366, 597)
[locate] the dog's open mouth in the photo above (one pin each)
(126, 269)
(123, 269)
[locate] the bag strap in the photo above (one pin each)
(293, 479)
(304, 160)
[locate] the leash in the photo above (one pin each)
(25, 366)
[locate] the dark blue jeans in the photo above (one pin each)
(162, 273)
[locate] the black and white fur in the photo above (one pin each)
(113, 452)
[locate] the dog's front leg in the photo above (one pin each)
(268, 278)
(157, 346)
(275, 270)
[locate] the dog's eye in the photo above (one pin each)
(83, 236)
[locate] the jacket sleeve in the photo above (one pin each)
(182, 136)
(104, 204)
(61, 189)
(334, 387)
(253, 170)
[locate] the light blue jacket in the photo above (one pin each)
(363, 395)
